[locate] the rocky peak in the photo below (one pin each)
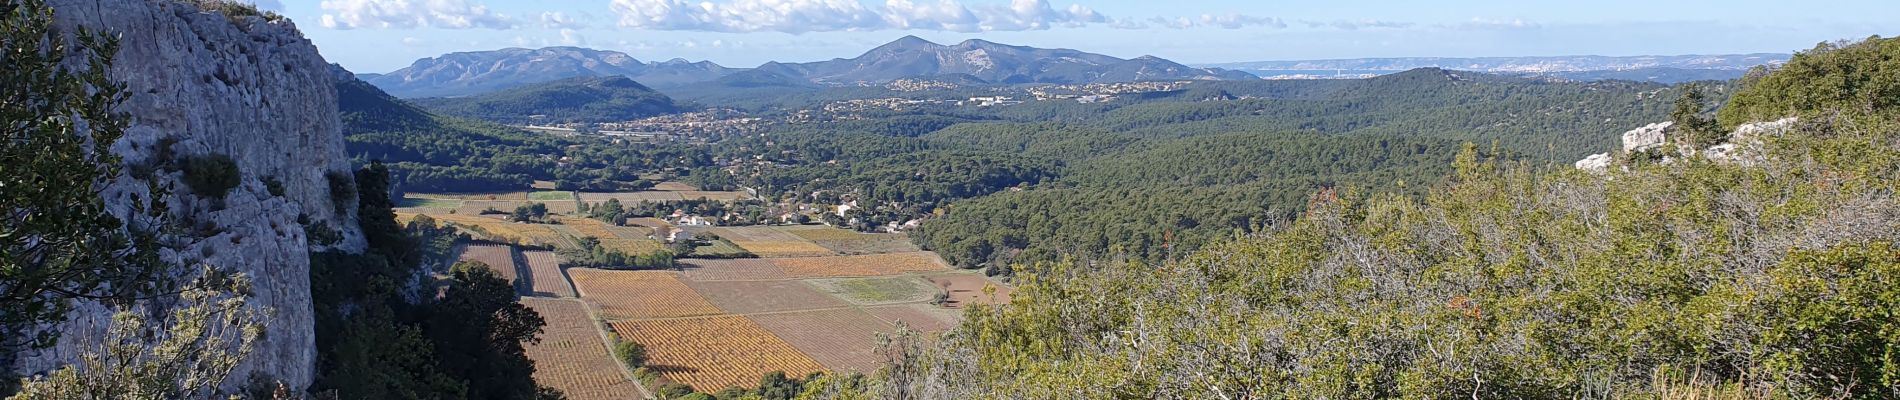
(202, 83)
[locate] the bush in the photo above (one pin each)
(342, 191)
(236, 9)
(211, 175)
(634, 354)
(276, 187)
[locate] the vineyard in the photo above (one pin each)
(748, 297)
(732, 270)
(670, 186)
(783, 249)
(501, 258)
(713, 353)
(823, 232)
(632, 197)
(841, 339)
(570, 355)
(544, 275)
(495, 229)
(617, 238)
(861, 265)
(639, 294)
(470, 196)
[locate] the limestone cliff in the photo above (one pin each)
(255, 90)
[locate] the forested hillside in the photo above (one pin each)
(1775, 277)
(591, 99)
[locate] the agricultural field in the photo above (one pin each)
(721, 248)
(639, 294)
(415, 202)
(752, 297)
(966, 288)
(476, 207)
(715, 196)
(632, 197)
(820, 232)
(843, 339)
(741, 269)
(551, 196)
(876, 291)
(919, 317)
(495, 229)
(627, 240)
(670, 186)
(544, 275)
(861, 265)
(649, 222)
(499, 257)
(518, 196)
(571, 356)
(713, 353)
(770, 242)
(845, 241)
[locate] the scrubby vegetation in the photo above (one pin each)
(211, 175)
(1770, 280)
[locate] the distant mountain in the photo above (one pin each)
(1658, 75)
(1521, 64)
(585, 99)
(461, 74)
(911, 56)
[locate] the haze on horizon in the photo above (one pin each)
(384, 35)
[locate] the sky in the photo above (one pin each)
(385, 35)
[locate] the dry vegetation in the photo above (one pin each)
(501, 258)
(749, 297)
(714, 352)
(841, 339)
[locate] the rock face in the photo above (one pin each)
(253, 90)
(1595, 162)
(1647, 137)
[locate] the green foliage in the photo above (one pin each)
(273, 186)
(1854, 81)
(532, 212)
(211, 175)
(1697, 131)
(590, 254)
(1769, 280)
(382, 331)
(58, 243)
(586, 99)
(235, 9)
(631, 353)
(342, 191)
(208, 333)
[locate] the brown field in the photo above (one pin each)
(544, 275)
(571, 357)
(783, 249)
(501, 258)
(841, 339)
(742, 269)
(639, 294)
(884, 243)
(670, 186)
(861, 265)
(821, 232)
(713, 353)
(754, 234)
(919, 317)
(966, 289)
(750, 297)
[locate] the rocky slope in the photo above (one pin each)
(255, 90)
(466, 73)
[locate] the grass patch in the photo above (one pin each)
(868, 291)
(551, 196)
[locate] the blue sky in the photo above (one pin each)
(383, 35)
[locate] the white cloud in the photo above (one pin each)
(1237, 21)
(1477, 23)
(407, 14)
(269, 5)
(1357, 25)
(413, 41)
(801, 16)
(561, 20)
(571, 38)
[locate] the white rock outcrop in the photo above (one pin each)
(256, 91)
(1595, 162)
(1647, 137)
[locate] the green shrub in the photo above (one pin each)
(634, 354)
(235, 9)
(342, 191)
(276, 187)
(211, 175)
